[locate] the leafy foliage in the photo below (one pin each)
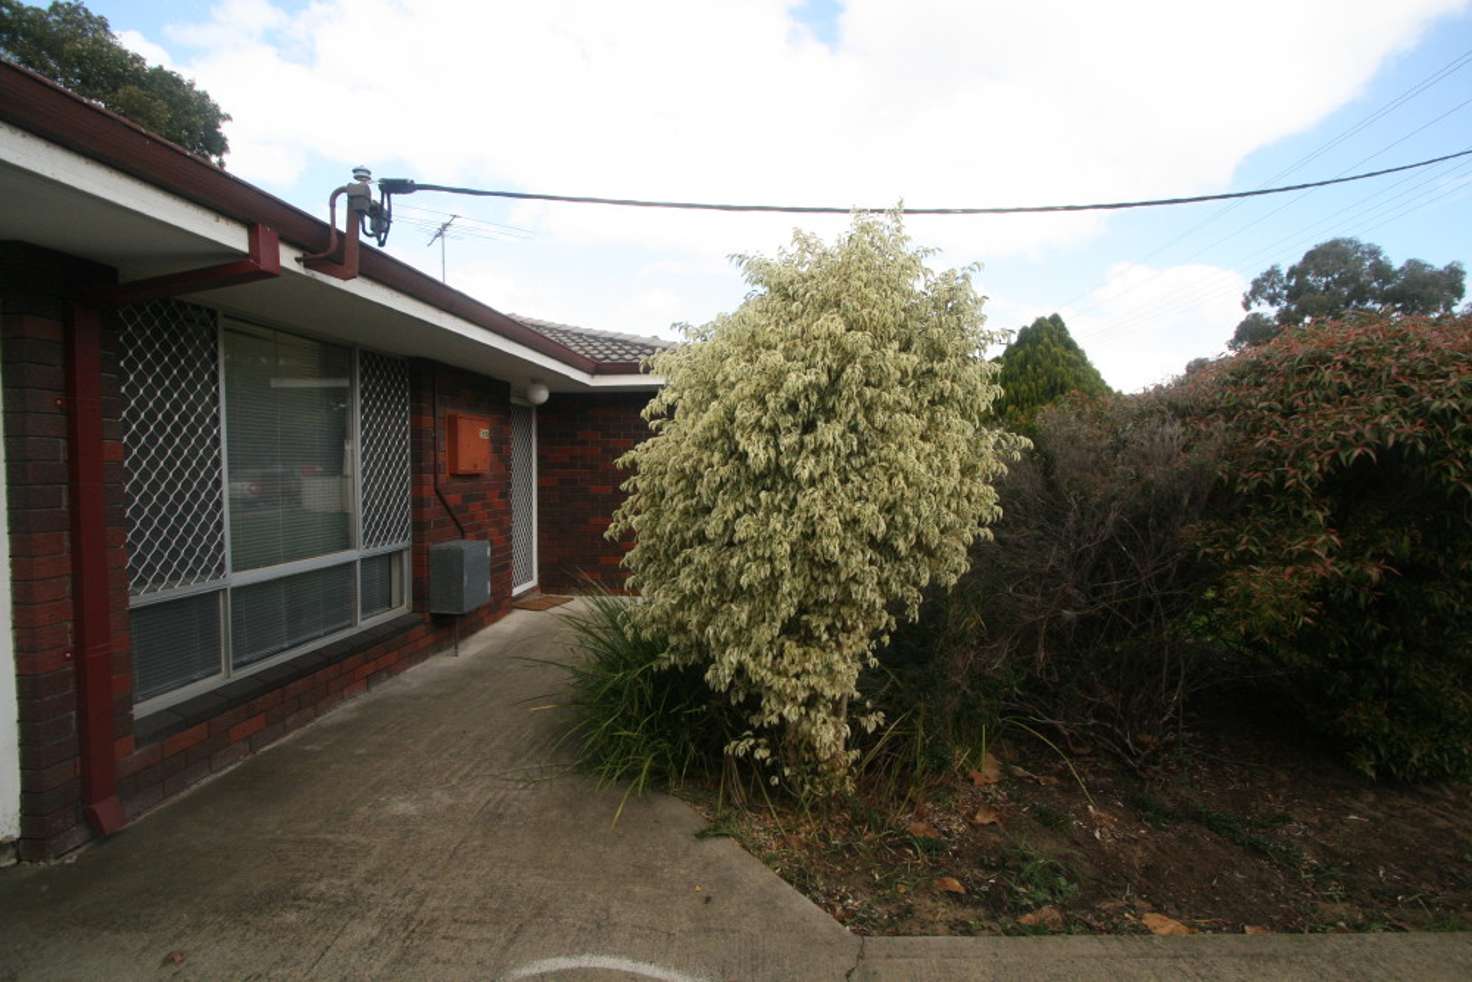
(76, 48)
(1341, 277)
(638, 722)
(1041, 365)
(1254, 329)
(1346, 540)
(819, 457)
(1084, 600)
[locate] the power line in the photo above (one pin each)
(1411, 200)
(1450, 68)
(400, 186)
(1181, 299)
(1292, 201)
(1436, 77)
(439, 216)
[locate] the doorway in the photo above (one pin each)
(523, 498)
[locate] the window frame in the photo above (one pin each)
(232, 580)
(519, 589)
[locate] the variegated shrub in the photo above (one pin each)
(819, 458)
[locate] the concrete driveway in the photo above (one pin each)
(429, 830)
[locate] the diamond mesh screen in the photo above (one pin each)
(384, 384)
(523, 496)
(171, 434)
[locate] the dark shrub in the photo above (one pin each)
(1345, 534)
(1079, 611)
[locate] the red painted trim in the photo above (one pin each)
(92, 626)
(263, 263)
(39, 106)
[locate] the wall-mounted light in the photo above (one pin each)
(536, 393)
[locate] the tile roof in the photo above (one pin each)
(604, 347)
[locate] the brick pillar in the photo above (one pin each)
(41, 612)
(34, 285)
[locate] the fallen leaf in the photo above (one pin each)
(173, 958)
(1254, 929)
(990, 771)
(1045, 780)
(986, 816)
(1049, 917)
(1160, 924)
(949, 884)
(922, 830)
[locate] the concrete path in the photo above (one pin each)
(429, 830)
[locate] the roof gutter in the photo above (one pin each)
(37, 105)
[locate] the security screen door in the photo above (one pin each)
(523, 498)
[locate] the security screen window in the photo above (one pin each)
(287, 407)
(258, 526)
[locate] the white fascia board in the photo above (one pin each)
(627, 382)
(29, 152)
(26, 151)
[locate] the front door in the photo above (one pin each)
(523, 498)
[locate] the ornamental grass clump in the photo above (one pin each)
(819, 458)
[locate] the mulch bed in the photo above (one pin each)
(1239, 830)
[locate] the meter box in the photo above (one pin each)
(459, 576)
(470, 444)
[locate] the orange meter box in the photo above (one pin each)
(470, 444)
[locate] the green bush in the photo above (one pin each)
(1079, 614)
(1344, 535)
(820, 457)
(1040, 366)
(639, 723)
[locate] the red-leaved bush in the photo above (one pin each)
(1344, 532)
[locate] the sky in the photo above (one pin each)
(864, 102)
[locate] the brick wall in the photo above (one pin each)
(183, 744)
(578, 439)
(172, 750)
(166, 752)
(33, 326)
(481, 503)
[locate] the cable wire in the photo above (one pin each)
(400, 186)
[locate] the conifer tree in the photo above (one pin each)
(1043, 364)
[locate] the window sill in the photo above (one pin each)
(164, 723)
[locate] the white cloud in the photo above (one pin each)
(1144, 324)
(154, 54)
(929, 100)
(932, 101)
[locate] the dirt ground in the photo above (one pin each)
(1236, 831)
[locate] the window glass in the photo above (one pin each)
(174, 643)
(382, 583)
(288, 443)
(269, 617)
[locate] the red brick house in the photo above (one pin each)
(230, 469)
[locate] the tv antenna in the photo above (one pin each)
(440, 235)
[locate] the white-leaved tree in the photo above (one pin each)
(819, 458)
